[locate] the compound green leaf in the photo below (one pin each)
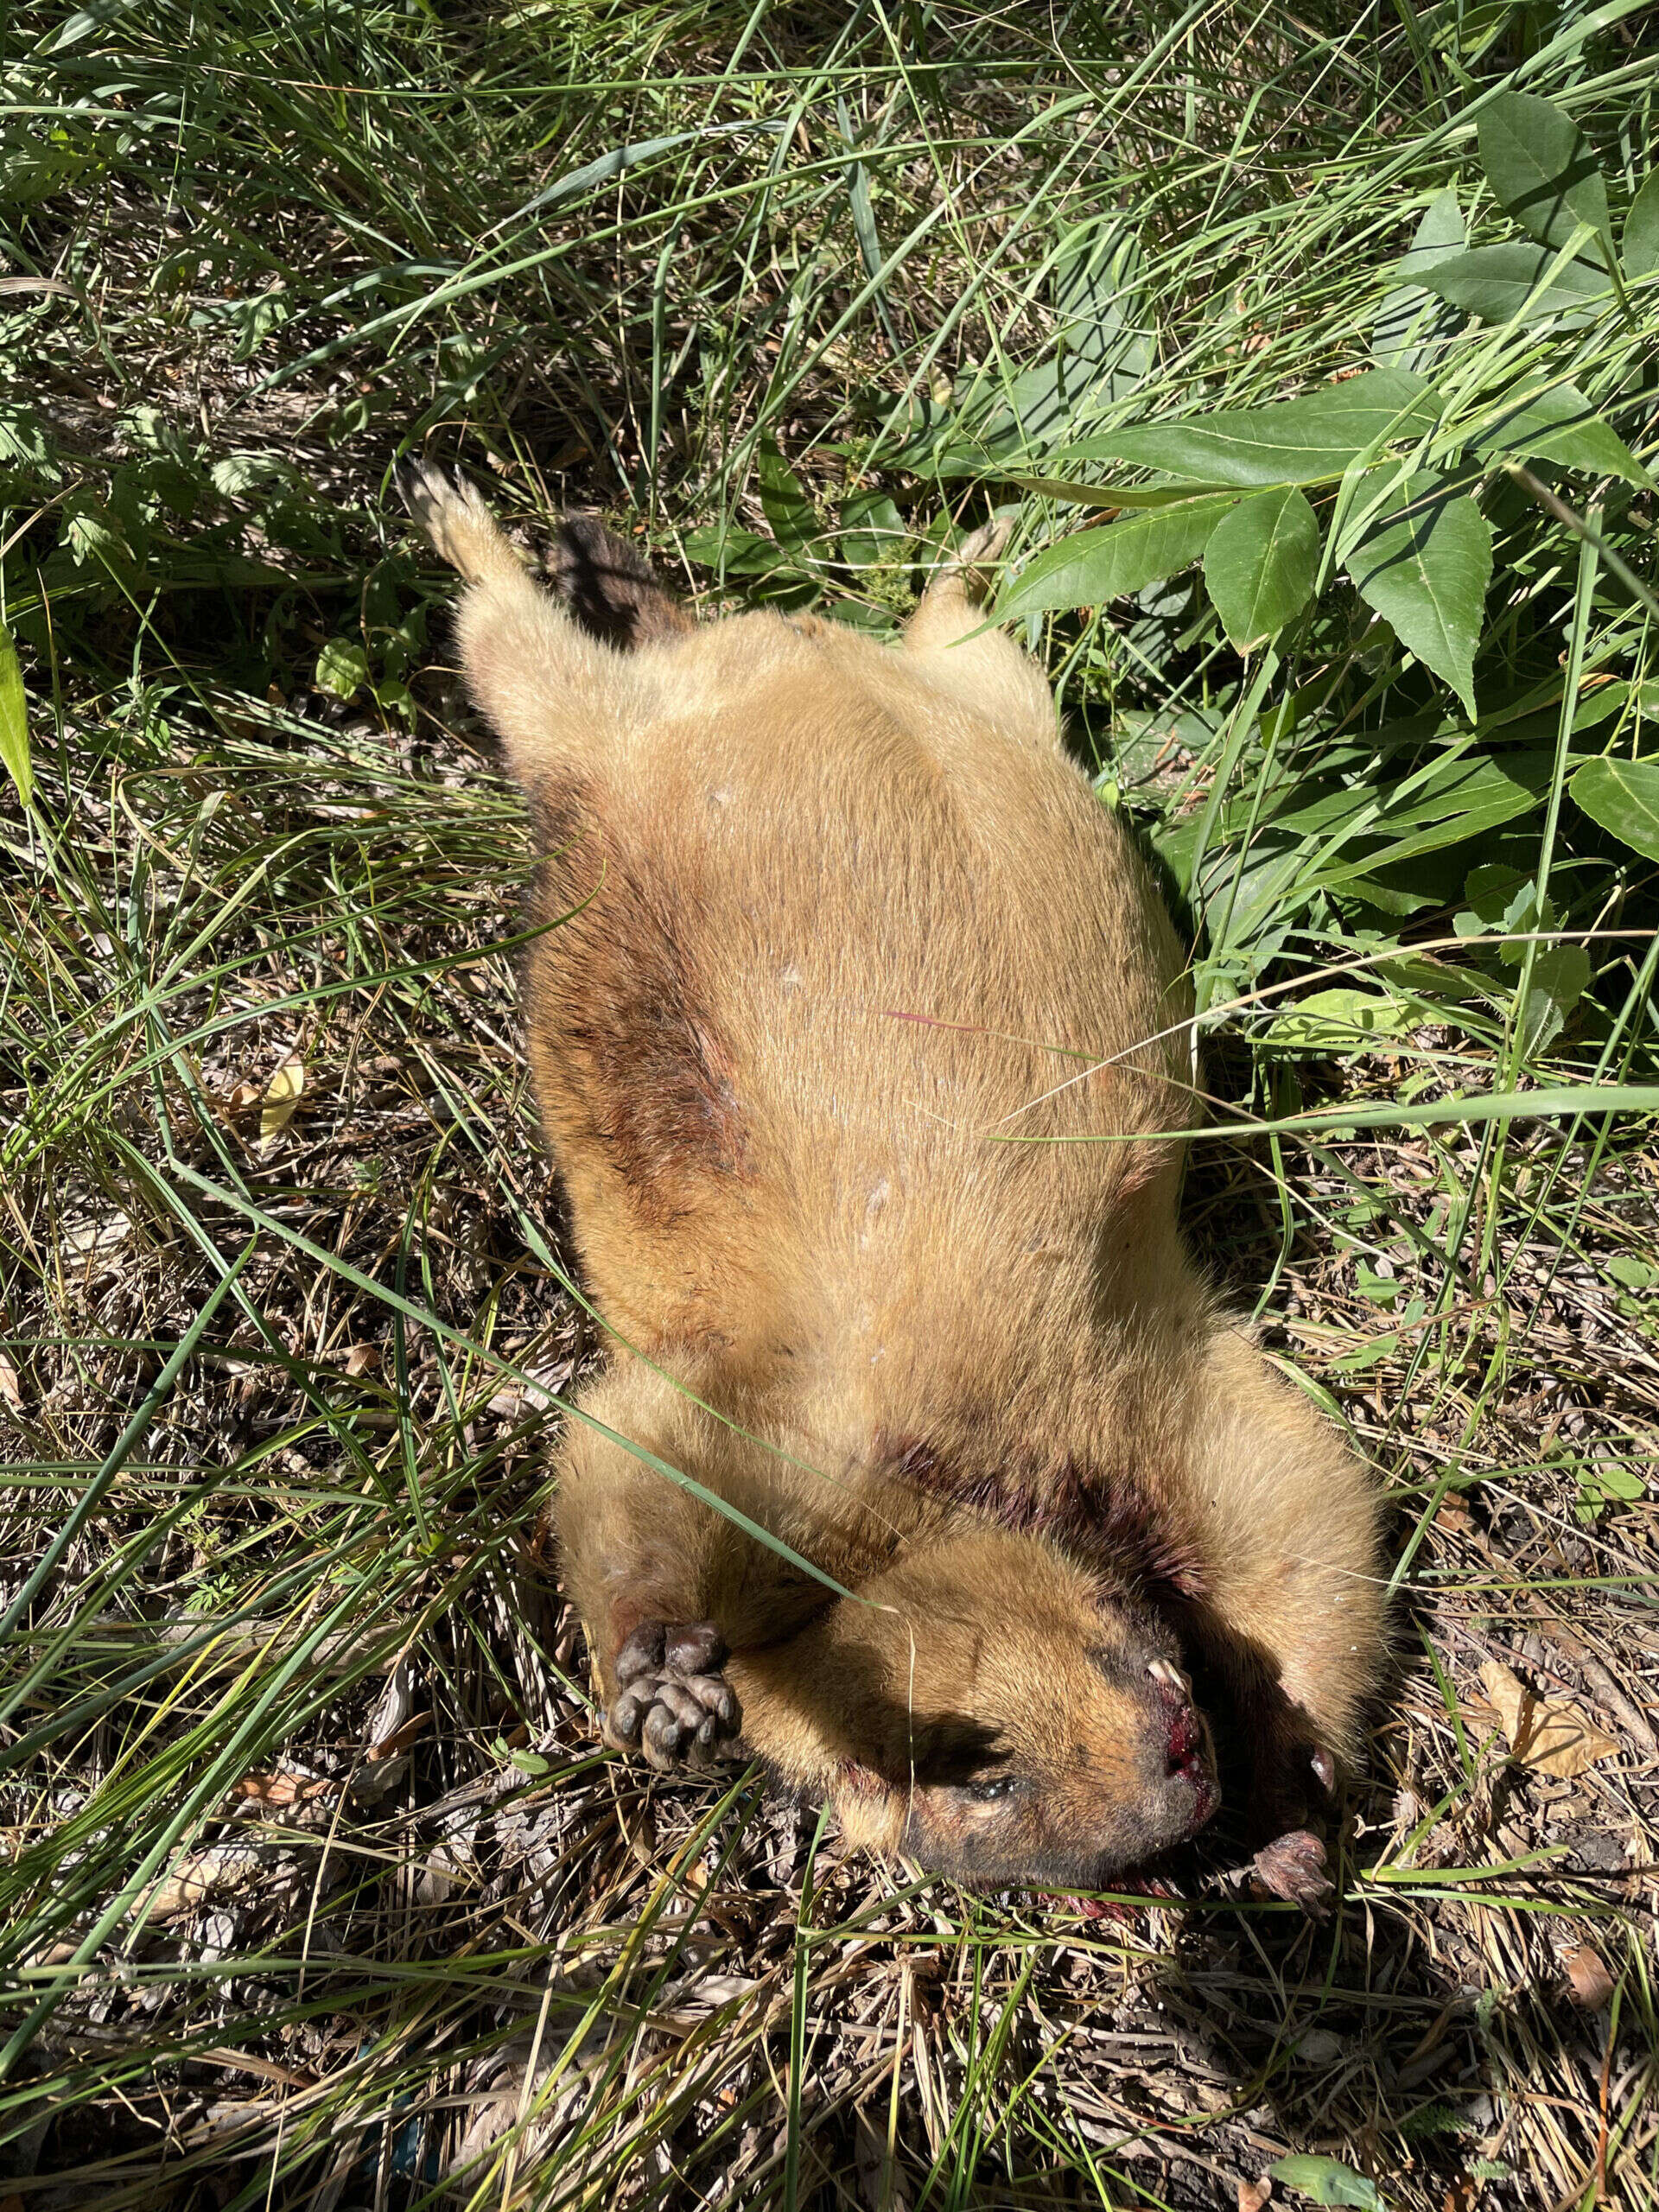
(1306, 441)
(1540, 165)
(1424, 566)
(1097, 565)
(1406, 314)
(1641, 230)
(1622, 796)
(1498, 282)
(1559, 425)
(1261, 562)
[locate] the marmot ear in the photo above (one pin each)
(610, 589)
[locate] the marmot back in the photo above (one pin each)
(859, 1031)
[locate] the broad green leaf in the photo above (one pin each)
(1259, 564)
(1559, 425)
(1424, 565)
(1406, 314)
(1622, 796)
(1496, 283)
(14, 720)
(1340, 1020)
(342, 668)
(1100, 564)
(1306, 441)
(1560, 975)
(1540, 165)
(1641, 230)
(1327, 2181)
(783, 499)
(736, 552)
(1162, 493)
(871, 529)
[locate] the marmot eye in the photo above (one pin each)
(995, 1786)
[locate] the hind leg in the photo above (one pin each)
(553, 695)
(987, 670)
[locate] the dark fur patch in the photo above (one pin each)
(615, 995)
(610, 589)
(1106, 1522)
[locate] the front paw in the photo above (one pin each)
(671, 1699)
(1293, 1866)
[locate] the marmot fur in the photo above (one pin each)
(843, 957)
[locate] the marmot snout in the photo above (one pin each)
(925, 1463)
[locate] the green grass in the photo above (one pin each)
(318, 1888)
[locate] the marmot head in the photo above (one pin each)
(997, 1712)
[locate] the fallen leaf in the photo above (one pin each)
(1589, 1984)
(199, 1876)
(1548, 1734)
(281, 1789)
(244, 1096)
(1253, 2194)
(283, 1095)
(362, 1358)
(401, 1738)
(1327, 2181)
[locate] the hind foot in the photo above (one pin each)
(455, 520)
(672, 1699)
(971, 564)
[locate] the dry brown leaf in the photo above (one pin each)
(1546, 1733)
(285, 1788)
(203, 1874)
(1589, 1984)
(1253, 2194)
(362, 1359)
(401, 1738)
(282, 1094)
(246, 1095)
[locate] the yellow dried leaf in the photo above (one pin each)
(1547, 1733)
(283, 1095)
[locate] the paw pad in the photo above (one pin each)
(671, 1699)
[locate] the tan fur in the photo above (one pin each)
(835, 924)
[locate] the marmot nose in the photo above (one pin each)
(1183, 1741)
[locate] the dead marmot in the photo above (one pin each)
(843, 957)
